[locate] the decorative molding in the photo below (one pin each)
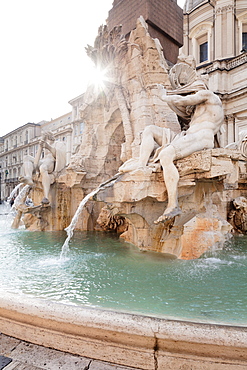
(226, 65)
(201, 29)
(242, 17)
(230, 118)
(224, 9)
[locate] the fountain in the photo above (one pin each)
(153, 303)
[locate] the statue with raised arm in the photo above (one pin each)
(194, 104)
(205, 123)
(54, 160)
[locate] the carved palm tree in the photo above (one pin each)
(110, 47)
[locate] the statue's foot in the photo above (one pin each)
(26, 180)
(168, 215)
(45, 201)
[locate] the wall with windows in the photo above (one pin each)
(25, 141)
(13, 147)
(215, 33)
(78, 124)
(61, 127)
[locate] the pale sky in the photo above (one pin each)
(43, 63)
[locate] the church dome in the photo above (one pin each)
(191, 4)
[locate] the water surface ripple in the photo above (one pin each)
(102, 271)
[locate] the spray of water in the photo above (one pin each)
(14, 191)
(72, 225)
(21, 198)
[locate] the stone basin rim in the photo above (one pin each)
(95, 333)
(102, 317)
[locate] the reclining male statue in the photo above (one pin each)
(206, 117)
(54, 161)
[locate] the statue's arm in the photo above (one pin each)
(49, 147)
(188, 100)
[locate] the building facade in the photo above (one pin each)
(13, 147)
(78, 124)
(25, 141)
(215, 33)
(62, 129)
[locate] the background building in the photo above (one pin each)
(13, 147)
(215, 33)
(25, 141)
(164, 19)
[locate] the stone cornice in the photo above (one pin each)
(224, 65)
(235, 94)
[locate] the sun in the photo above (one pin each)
(98, 78)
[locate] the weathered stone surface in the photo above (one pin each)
(114, 123)
(141, 197)
(201, 232)
(125, 339)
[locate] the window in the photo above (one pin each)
(244, 37)
(203, 52)
(81, 127)
(201, 36)
(242, 29)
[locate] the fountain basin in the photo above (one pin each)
(38, 302)
(121, 338)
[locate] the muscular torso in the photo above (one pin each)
(207, 115)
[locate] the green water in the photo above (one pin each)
(102, 271)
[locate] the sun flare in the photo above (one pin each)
(98, 78)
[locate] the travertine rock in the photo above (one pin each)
(139, 197)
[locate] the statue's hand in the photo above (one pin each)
(44, 144)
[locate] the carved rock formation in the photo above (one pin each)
(209, 179)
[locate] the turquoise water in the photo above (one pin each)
(103, 271)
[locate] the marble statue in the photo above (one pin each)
(192, 102)
(54, 160)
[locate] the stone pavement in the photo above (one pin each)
(27, 356)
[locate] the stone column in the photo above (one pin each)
(230, 128)
(218, 33)
(229, 41)
(69, 146)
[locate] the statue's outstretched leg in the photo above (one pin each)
(171, 178)
(46, 170)
(28, 167)
(26, 180)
